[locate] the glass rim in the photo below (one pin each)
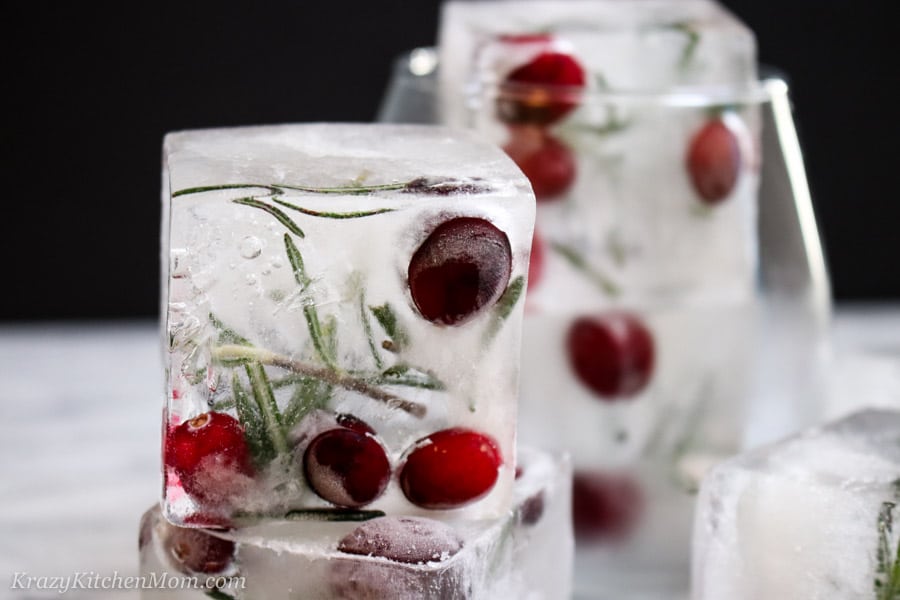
(757, 92)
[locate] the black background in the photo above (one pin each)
(92, 92)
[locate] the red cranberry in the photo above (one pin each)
(605, 506)
(542, 91)
(547, 163)
(463, 266)
(714, 162)
(450, 468)
(536, 262)
(346, 467)
(196, 551)
(611, 354)
(208, 453)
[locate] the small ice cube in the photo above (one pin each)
(811, 517)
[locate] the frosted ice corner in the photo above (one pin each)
(343, 308)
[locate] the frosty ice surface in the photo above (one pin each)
(342, 318)
(813, 516)
(624, 46)
(526, 553)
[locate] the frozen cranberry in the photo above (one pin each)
(536, 262)
(463, 266)
(404, 540)
(197, 551)
(208, 453)
(346, 467)
(714, 161)
(532, 509)
(450, 468)
(542, 91)
(612, 354)
(605, 506)
(412, 540)
(547, 163)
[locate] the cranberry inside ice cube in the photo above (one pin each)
(463, 266)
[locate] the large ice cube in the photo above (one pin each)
(342, 318)
(526, 553)
(645, 45)
(812, 517)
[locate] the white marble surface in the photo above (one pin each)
(79, 436)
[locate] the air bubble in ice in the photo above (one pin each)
(252, 279)
(251, 247)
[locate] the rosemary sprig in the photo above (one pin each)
(338, 378)
(255, 431)
(309, 395)
(367, 327)
(310, 313)
(578, 262)
(296, 261)
(887, 578)
(319, 340)
(690, 48)
(332, 215)
(504, 306)
(387, 318)
(406, 375)
(265, 401)
(333, 514)
(226, 334)
(275, 188)
(217, 594)
(226, 186)
(275, 212)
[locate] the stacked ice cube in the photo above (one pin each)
(813, 516)
(343, 308)
(520, 555)
(635, 124)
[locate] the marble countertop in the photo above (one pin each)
(80, 425)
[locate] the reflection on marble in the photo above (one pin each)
(79, 436)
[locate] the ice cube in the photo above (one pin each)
(648, 45)
(526, 553)
(809, 517)
(342, 319)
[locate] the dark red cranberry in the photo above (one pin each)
(605, 506)
(412, 540)
(612, 354)
(536, 261)
(532, 509)
(196, 551)
(346, 467)
(542, 91)
(547, 163)
(462, 267)
(450, 468)
(208, 453)
(714, 162)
